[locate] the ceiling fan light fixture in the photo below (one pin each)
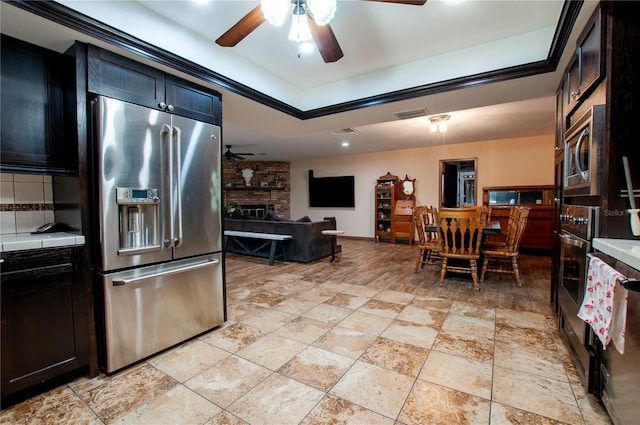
(306, 47)
(275, 11)
(299, 26)
(322, 11)
(439, 123)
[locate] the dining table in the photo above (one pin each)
(493, 228)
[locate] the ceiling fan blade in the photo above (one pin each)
(244, 153)
(242, 28)
(326, 41)
(410, 2)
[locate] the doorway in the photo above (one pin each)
(458, 183)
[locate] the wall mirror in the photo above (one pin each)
(458, 182)
(408, 186)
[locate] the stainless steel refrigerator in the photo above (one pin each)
(160, 243)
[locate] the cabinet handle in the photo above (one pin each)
(169, 108)
(162, 105)
(575, 94)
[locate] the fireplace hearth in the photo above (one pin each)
(257, 210)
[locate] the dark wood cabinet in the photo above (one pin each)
(587, 69)
(115, 76)
(44, 327)
(193, 101)
(122, 78)
(37, 111)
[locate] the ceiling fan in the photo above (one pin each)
(323, 35)
(230, 156)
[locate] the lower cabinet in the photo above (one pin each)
(44, 334)
(403, 227)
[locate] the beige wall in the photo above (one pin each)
(524, 161)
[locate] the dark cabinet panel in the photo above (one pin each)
(125, 79)
(573, 83)
(37, 110)
(193, 101)
(591, 54)
(588, 67)
(559, 142)
(44, 320)
(121, 78)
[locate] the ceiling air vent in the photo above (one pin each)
(413, 113)
(347, 130)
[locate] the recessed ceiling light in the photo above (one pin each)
(345, 144)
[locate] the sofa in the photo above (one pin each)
(308, 243)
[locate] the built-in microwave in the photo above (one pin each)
(583, 153)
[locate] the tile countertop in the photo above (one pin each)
(20, 241)
(625, 250)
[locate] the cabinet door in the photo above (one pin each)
(193, 101)
(125, 79)
(588, 67)
(37, 94)
(44, 324)
(573, 83)
(591, 63)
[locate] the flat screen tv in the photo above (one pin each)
(331, 191)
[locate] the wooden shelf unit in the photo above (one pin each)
(393, 210)
(386, 194)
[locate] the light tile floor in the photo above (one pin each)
(364, 342)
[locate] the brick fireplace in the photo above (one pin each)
(269, 188)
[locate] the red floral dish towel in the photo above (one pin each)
(604, 306)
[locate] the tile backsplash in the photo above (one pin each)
(26, 202)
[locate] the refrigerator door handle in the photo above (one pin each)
(178, 136)
(122, 282)
(167, 137)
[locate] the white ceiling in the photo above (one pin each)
(387, 47)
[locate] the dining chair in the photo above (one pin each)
(512, 223)
(428, 242)
(504, 258)
(484, 209)
(460, 231)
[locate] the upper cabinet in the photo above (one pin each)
(37, 111)
(121, 78)
(587, 68)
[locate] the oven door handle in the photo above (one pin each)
(631, 284)
(584, 173)
(573, 241)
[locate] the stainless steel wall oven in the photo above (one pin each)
(578, 226)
